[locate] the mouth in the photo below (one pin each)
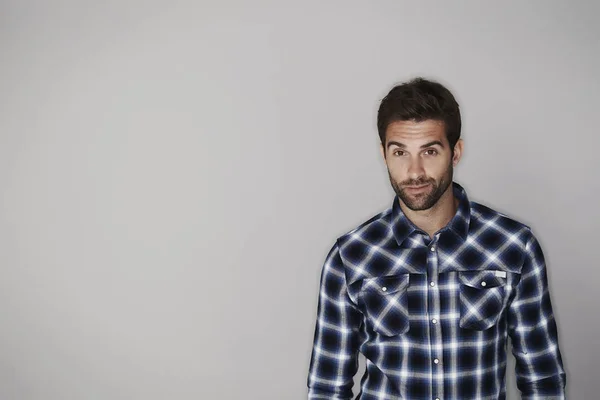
(416, 189)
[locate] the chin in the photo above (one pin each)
(420, 207)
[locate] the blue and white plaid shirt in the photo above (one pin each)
(432, 315)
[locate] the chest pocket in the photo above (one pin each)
(483, 297)
(385, 300)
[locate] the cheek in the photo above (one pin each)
(437, 167)
(396, 170)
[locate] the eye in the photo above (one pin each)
(395, 152)
(431, 152)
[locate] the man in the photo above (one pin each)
(430, 289)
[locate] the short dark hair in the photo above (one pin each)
(418, 100)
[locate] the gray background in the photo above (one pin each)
(172, 175)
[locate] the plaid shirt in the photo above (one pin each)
(432, 315)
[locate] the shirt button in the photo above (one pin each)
(436, 361)
(432, 284)
(384, 289)
(483, 283)
(437, 398)
(434, 321)
(432, 248)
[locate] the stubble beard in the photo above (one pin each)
(425, 200)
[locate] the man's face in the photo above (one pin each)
(419, 162)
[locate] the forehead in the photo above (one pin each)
(416, 132)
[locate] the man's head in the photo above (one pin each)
(419, 127)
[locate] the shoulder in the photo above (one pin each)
(371, 231)
(488, 221)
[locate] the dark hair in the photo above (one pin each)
(420, 99)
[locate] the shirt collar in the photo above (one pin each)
(459, 224)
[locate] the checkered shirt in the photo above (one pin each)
(432, 315)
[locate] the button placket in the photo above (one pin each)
(434, 310)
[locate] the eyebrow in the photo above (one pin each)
(429, 144)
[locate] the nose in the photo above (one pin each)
(415, 169)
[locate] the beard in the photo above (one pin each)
(423, 200)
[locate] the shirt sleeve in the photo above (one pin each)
(532, 327)
(334, 359)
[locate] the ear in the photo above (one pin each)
(458, 152)
(382, 150)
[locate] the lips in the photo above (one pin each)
(416, 189)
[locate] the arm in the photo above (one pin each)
(532, 328)
(334, 358)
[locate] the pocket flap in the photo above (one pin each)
(483, 279)
(386, 284)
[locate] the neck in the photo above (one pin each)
(437, 217)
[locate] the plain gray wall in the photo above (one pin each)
(174, 173)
